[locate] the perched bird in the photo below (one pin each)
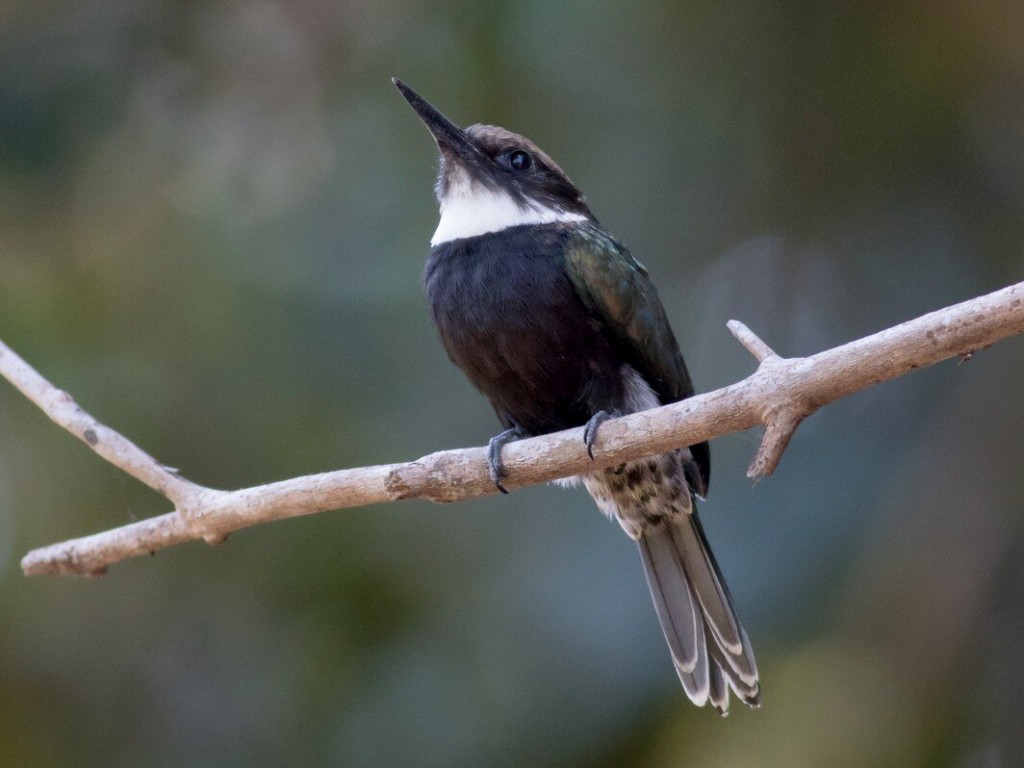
(556, 323)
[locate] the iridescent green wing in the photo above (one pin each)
(616, 288)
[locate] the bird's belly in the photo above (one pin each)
(510, 317)
(536, 354)
(538, 375)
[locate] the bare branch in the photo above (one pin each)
(112, 446)
(779, 394)
(750, 340)
(777, 434)
(781, 420)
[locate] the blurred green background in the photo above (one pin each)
(213, 217)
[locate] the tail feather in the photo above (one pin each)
(707, 584)
(696, 683)
(709, 647)
(673, 600)
(718, 692)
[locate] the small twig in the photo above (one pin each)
(780, 419)
(777, 434)
(778, 395)
(111, 445)
(750, 340)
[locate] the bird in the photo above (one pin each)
(559, 326)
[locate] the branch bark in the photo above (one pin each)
(779, 395)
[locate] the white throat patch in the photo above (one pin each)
(471, 209)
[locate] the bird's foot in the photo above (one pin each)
(494, 464)
(590, 431)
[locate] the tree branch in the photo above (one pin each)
(112, 446)
(779, 395)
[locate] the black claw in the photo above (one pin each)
(494, 446)
(590, 431)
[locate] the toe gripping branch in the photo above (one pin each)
(590, 431)
(495, 465)
(494, 446)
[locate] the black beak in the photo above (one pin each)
(450, 139)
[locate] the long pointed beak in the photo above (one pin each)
(449, 137)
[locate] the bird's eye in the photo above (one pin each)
(519, 160)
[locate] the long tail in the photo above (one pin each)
(709, 647)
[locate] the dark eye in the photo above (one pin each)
(519, 160)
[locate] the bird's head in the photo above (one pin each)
(491, 179)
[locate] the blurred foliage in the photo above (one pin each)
(213, 217)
